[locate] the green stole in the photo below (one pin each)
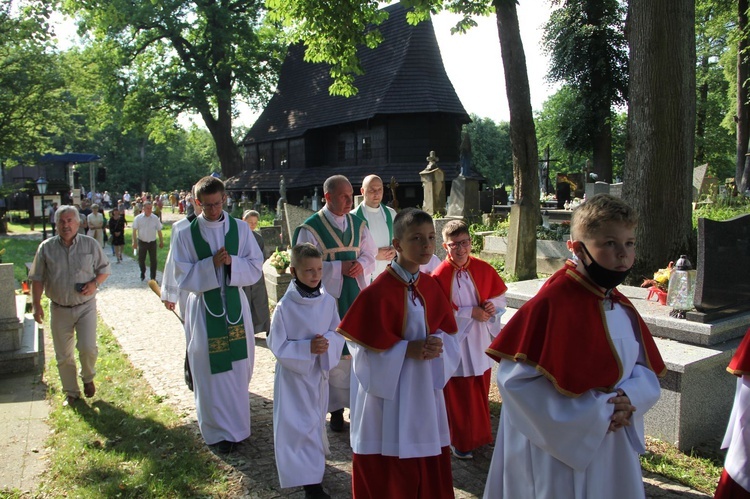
(226, 336)
(337, 245)
(360, 212)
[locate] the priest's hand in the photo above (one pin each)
(480, 314)
(427, 349)
(622, 411)
(386, 253)
(222, 257)
(318, 345)
(169, 305)
(351, 268)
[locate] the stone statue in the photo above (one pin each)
(257, 199)
(316, 200)
(282, 187)
(393, 186)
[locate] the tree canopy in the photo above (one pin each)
(184, 56)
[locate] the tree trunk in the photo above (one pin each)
(700, 116)
(523, 137)
(661, 130)
(221, 131)
(743, 107)
(602, 151)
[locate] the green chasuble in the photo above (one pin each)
(337, 245)
(224, 324)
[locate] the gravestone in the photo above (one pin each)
(723, 282)
(562, 193)
(433, 183)
(464, 198)
(294, 216)
(616, 190)
(21, 339)
(10, 330)
(594, 188)
(699, 176)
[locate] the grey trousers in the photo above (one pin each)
(64, 321)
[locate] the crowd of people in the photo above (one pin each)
(374, 322)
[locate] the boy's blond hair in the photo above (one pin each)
(455, 228)
(304, 250)
(598, 212)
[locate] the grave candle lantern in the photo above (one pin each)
(681, 288)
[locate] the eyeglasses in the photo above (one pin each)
(213, 205)
(462, 244)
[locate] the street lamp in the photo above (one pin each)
(41, 184)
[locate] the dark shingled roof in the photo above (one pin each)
(404, 74)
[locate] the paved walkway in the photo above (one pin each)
(152, 338)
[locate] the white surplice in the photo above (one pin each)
(300, 392)
(477, 336)
(378, 226)
(430, 266)
(170, 291)
(737, 437)
(399, 405)
(222, 400)
(557, 447)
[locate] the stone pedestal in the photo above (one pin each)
(10, 325)
(276, 283)
(433, 183)
(697, 391)
(464, 198)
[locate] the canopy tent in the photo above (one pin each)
(70, 157)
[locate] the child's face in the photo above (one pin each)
(459, 248)
(252, 221)
(416, 247)
(309, 271)
(612, 247)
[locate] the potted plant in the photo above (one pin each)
(280, 260)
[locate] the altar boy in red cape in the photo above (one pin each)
(401, 334)
(578, 370)
(477, 294)
(735, 478)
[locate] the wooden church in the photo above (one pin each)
(405, 107)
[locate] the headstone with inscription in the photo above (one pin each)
(464, 198)
(699, 175)
(723, 282)
(294, 216)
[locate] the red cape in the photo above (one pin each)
(377, 318)
(549, 333)
(740, 363)
(486, 280)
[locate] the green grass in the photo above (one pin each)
(125, 442)
(18, 252)
(700, 473)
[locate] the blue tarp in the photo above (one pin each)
(71, 157)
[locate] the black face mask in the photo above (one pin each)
(605, 278)
(307, 289)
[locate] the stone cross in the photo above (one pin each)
(544, 164)
(432, 162)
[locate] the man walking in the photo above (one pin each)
(379, 219)
(214, 257)
(146, 227)
(69, 268)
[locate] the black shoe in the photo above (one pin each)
(223, 447)
(315, 492)
(143, 277)
(337, 420)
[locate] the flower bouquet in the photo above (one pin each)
(659, 284)
(280, 260)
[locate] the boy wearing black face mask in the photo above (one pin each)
(575, 363)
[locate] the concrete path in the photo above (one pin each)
(153, 339)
